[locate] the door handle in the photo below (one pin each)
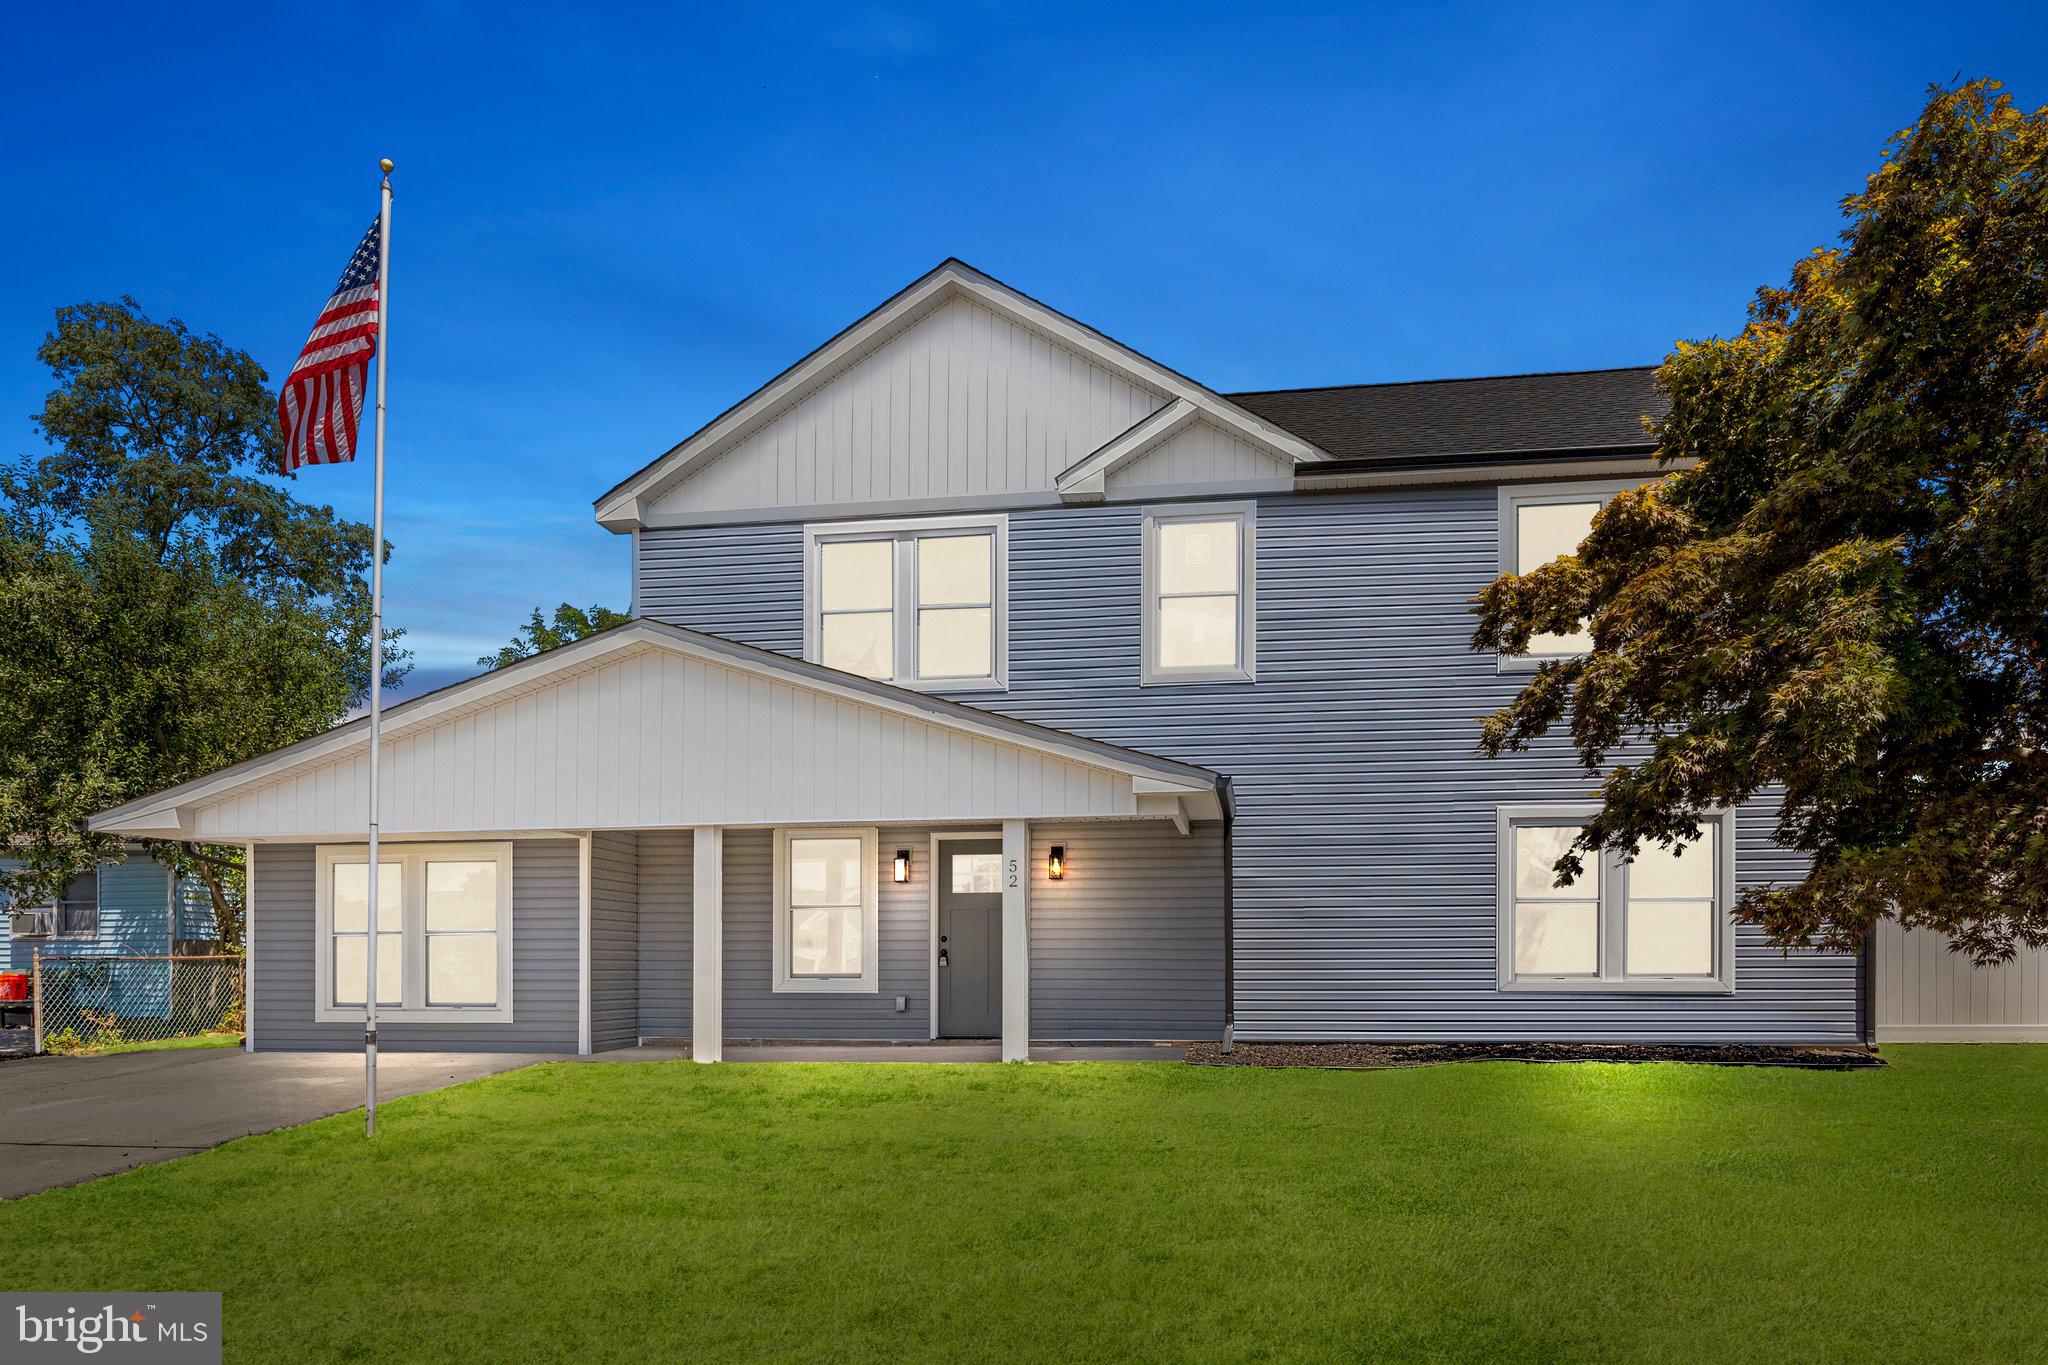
(942, 950)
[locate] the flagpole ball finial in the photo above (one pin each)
(385, 165)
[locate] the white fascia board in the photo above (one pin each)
(623, 509)
(173, 807)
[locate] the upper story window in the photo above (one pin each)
(1199, 598)
(1539, 523)
(1657, 922)
(918, 603)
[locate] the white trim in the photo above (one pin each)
(707, 944)
(1962, 1033)
(932, 914)
(867, 983)
(583, 944)
(412, 857)
(248, 947)
(1509, 499)
(624, 508)
(1016, 941)
(905, 532)
(1246, 514)
(1611, 896)
(168, 812)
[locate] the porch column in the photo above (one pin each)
(707, 945)
(1016, 941)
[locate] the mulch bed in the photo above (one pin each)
(1385, 1056)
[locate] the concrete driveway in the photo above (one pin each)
(68, 1119)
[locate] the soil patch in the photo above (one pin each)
(1383, 1056)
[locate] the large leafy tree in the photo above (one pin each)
(570, 623)
(1844, 597)
(166, 606)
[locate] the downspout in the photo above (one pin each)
(1229, 923)
(1866, 992)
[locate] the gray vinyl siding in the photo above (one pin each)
(666, 932)
(544, 966)
(614, 941)
(1364, 843)
(1129, 945)
(753, 1009)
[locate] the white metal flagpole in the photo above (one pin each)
(376, 651)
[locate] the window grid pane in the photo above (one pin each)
(1545, 531)
(954, 642)
(859, 642)
(1198, 632)
(857, 575)
(955, 571)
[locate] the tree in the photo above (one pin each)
(165, 608)
(570, 623)
(1846, 597)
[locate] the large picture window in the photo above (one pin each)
(444, 931)
(920, 604)
(1199, 605)
(825, 910)
(1658, 921)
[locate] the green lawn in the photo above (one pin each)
(195, 1040)
(1097, 1211)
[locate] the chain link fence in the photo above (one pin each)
(105, 1004)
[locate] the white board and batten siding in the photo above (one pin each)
(652, 738)
(1199, 454)
(963, 402)
(1925, 993)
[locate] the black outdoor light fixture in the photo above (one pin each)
(1056, 863)
(902, 864)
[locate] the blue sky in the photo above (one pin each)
(610, 226)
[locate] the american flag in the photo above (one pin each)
(322, 401)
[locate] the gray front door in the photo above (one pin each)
(970, 938)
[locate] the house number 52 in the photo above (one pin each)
(1013, 872)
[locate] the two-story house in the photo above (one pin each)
(991, 679)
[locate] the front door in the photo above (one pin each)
(970, 938)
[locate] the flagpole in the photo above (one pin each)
(376, 650)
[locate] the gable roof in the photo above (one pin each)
(1526, 414)
(170, 813)
(620, 508)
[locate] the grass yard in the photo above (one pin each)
(1095, 1211)
(195, 1040)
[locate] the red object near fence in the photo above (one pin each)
(13, 985)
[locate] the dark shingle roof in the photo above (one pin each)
(1567, 410)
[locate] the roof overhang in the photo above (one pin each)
(1395, 471)
(182, 811)
(624, 507)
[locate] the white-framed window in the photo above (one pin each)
(1658, 922)
(1201, 605)
(825, 910)
(1539, 523)
(77, 911)
(444, 932)
(920, 603)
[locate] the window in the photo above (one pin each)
(444, 931)
(1539, 523)
(78, 912)
(825, 910)
(1199, 599)
(1657, 922)
(917, 603)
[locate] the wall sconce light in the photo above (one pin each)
(1056, 864)
(902, 864)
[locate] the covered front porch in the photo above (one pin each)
(657, 834)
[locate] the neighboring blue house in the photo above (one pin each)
(129, 907)
(991, 679)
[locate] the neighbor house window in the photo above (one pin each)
(444, 931)
(78, 911)
(916, 603)
(825, 910)
(1199, 600)
(1542, 522)
(1658, 921)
